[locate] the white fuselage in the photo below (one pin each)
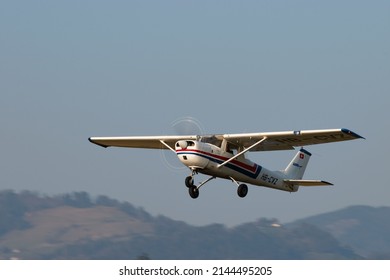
(206, 158)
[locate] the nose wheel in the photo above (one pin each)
(189, 182)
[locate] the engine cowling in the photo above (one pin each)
(193, 154)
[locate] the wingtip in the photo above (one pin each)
(350, 132)
(90, 139)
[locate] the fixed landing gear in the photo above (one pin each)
(193, 190)
(190, 182)
(242, 190)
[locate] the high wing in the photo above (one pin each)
(267, 141)
(287, 140)
(147, 142)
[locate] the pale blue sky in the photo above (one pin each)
(74, 69)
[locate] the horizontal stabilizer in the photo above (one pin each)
(308, 183)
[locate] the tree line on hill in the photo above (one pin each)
(169, 239)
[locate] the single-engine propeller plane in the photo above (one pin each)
(223, 155)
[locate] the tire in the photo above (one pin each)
(189, 182)
(242, 190)
(194, 192)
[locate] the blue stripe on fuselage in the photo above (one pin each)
(229, 165)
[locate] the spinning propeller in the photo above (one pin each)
(181, 126)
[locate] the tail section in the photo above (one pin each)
(296, 168)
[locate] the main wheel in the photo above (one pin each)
(242, 190)
(194, 192)
(189, 182)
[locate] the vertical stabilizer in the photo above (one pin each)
(296, 168)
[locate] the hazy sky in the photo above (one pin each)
(74, 69)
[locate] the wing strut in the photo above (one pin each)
(166, 145)
(242, 152)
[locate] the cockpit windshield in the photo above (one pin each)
(211, 139)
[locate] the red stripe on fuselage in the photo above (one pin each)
(223, 159)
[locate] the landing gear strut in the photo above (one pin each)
(192, 189)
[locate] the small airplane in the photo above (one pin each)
(223, 155)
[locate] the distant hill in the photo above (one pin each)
(363, 228)
(75, 226)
